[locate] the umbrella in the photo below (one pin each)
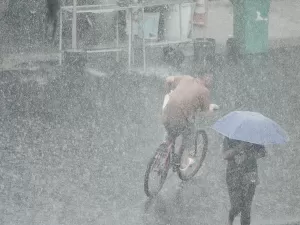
(250, 127)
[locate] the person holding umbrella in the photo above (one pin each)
(246, 134)
(241, 176)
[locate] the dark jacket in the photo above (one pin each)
(242, 159)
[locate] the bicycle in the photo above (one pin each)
(165, 156)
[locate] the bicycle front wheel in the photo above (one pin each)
(157, 171)
(191, 160)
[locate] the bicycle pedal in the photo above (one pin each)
(190, 164)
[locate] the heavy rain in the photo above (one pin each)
(81, 109)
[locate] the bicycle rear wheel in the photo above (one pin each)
(196, 155)
(158, 166)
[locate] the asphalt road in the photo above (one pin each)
(74, 148)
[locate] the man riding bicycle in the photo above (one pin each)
(186, 95)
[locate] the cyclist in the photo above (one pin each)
(185, 96)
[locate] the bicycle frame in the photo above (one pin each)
(169, 158)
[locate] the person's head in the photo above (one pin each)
(206, 80)
(204, 75)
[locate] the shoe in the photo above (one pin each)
(191, 161)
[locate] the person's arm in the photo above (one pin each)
(228, 151)
(205, 107)
(259, 151)
(231, 153)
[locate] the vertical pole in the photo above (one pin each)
(205, 18)
(133, 17)
(60, 35)
(129, 11)
(74, 25)
(180, 23)
(192, 19)
(117, 36)
(144, 43)
(205, 27)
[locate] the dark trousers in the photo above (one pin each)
(241, 197)
(186, 129)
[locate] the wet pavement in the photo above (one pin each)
(74, 148)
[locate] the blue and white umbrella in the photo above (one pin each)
(250, 127)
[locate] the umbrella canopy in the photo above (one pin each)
(250, 127)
